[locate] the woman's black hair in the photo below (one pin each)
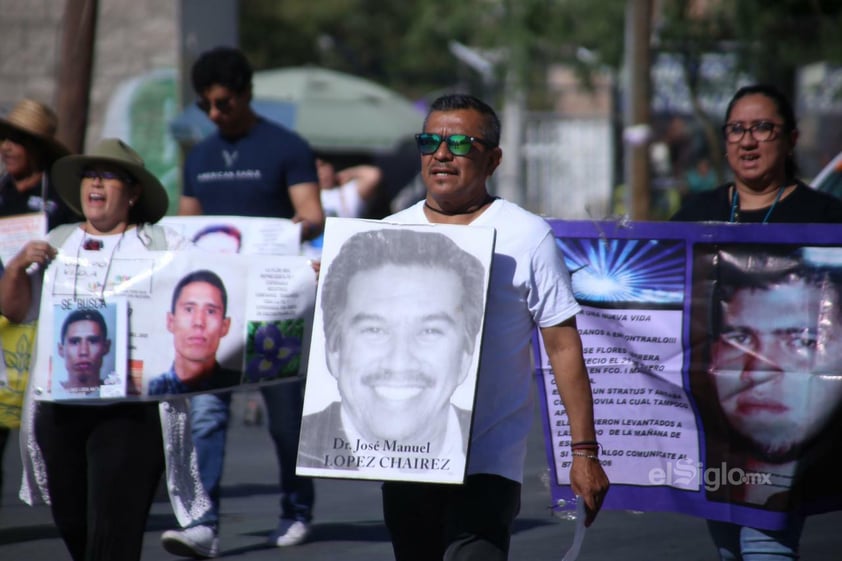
(785, 110)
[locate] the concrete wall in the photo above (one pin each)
(133, 37)
(29, 43)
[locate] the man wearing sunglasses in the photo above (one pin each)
(530, 286)
(248, 167)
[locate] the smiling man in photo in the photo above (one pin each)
(402, 311)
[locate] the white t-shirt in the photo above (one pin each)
(530, 286)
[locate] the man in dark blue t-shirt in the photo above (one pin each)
(247, 167)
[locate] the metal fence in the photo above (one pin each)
(568, 166)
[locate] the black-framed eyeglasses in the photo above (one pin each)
(458, 144)
(105, 175)
(761, 131)
(223, 104)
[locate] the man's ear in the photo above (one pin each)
(332, 357)
(494, 159)
(61, 350)
(465, 366)
(793, 139)
(106, 347)
(226, 325)
(170, 321)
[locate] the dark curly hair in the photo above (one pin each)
(224, 66)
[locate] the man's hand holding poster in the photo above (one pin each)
(396, 346)
(192, 321)
(715, 362)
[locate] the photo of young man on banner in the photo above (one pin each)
(187, 321)
(86, 353)
(198, 320)
(249, 235)
(396, 336)
(767, 374)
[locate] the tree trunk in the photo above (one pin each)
(75, 72)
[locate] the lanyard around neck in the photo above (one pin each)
(735, 205)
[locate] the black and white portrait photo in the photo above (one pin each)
(395, 347)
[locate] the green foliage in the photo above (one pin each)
(770, 39)
(405, 45)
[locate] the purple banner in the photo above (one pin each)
(715, 358)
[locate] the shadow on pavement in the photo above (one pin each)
(19, 534)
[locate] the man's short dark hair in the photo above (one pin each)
(86, 314)
(202, 275)
(224, 66)
(456, 102)
(373, 249)
(752, 268)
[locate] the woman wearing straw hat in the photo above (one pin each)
(28, 148)
(99, 465)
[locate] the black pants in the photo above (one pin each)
(431, 522)
(104, 464)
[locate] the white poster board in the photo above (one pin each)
(395, 351)
(250, 322)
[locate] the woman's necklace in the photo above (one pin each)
(735, 205)
(94, 244)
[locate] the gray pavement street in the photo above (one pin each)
(348, 523)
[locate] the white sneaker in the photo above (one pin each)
(199, 542)
(290, 532)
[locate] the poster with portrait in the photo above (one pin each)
(712, 352)
(239, 234)
(89, 358)
(196, 321)
(395, 350)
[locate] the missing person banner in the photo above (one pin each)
(396, 345)
(157, 324)
(239, 234)
(715, 359)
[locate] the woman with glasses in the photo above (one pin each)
(760, 135)
(98, 464)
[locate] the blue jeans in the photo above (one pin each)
(209, 418)
(741, 543)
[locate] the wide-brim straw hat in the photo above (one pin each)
(38, 122)
(67, 178)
